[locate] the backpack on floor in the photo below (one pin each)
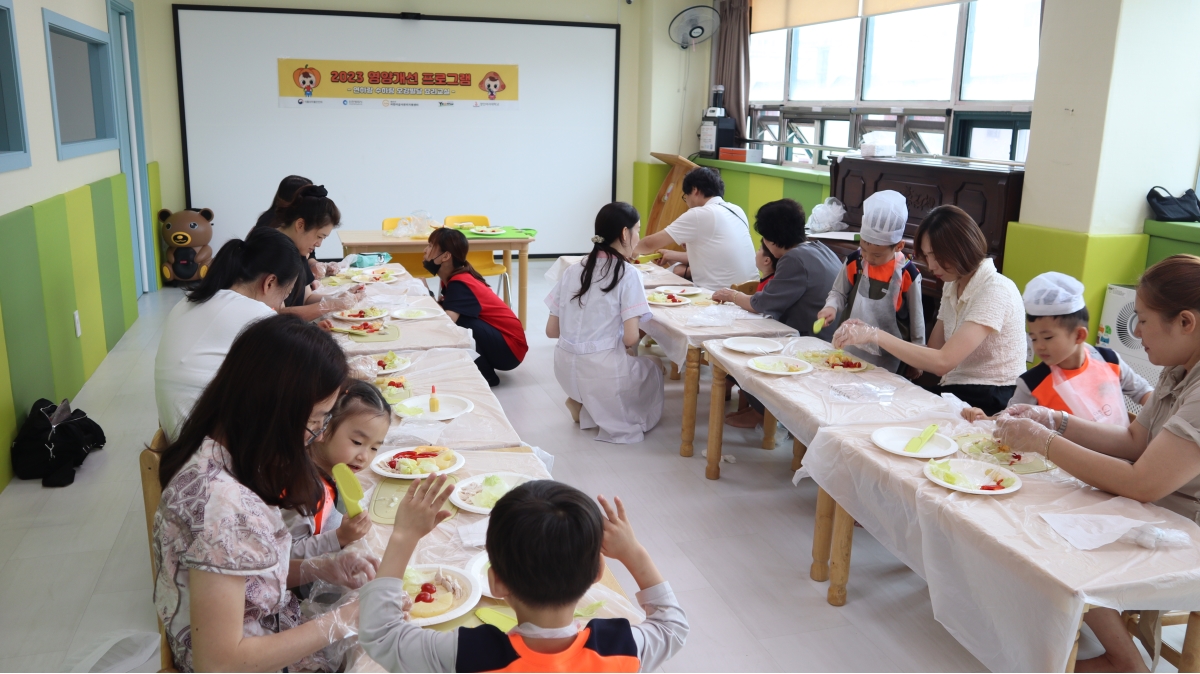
(53, 442)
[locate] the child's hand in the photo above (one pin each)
(420, 510)
(973, 414)
(353, 528)
(828, 314)
(622, 545)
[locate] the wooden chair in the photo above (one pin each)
(484, 261)
(1187, 660)
(746, 288)
(151, 495)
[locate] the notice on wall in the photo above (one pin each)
(309, 83)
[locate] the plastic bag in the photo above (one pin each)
(718, 316)
(862, 392)
(1151, 537)
(827, 217)
(417, 224)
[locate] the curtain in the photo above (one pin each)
(733, 60)
(776, 14)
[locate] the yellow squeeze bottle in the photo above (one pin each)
(349, 487)
(434, 404)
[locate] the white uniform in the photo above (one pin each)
(621, 394)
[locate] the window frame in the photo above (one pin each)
(103, 88)
(12, 160)
(965, 122)
(855, 111)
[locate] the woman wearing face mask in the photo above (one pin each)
(594, 312)
(248, 280)
(308, 220)
(469, 302)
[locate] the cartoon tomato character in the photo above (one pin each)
(308, 79)
(491, 83)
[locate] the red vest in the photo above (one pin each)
(494, 312)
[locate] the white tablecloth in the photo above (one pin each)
(668, 326)
(438, 332)
(1008, 587)
(652, 275)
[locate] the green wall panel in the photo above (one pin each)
(763, 190)
(109, 264)
(155, 183)
(27, 343)
(58, 294)
(8, 413)
(85, 264)
(808, 195)
(120, 207)
(737, 189)
(647, 178)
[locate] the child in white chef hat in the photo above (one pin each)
(880, 286)
(1074, 377)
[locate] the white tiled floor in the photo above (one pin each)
(74, 563)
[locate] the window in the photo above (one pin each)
(767, 54)
(910, 55)
(81, 87)
(991, 135)
(1001, 55)
(824, 60)
(14, 142)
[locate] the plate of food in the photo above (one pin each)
(660, 299)
(414, 313)
(834, 359)
(414, 463)
(779, 365)
(478, 568)
(488, 231)
(360, 314)
(983, 447)
(972, 477)
(896, 440)
(364, 328)
(376, 276)
(390, 363)
(439, 593)
(393, 387)
(479, 494)
(752, 345)
(680, 290)
(449, 407)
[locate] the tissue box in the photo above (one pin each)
(745, 155)
(878, 149)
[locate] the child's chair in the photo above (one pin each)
(410, 261)
(151, 495)
(484, 261)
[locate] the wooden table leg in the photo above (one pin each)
(1189, 655)
(839, 563)
(770, 425)
(691, 391)
(674, 372)
(506, 259)
(716, 422)
(798, 450)
(822, 537)
(1075, 644)
(523, 287)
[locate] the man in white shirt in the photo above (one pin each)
(716, 233)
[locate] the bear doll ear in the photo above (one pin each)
(207, 214)
(164, 214)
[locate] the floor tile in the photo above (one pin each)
(42, 600)
(718, 641)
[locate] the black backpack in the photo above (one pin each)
(53, 442)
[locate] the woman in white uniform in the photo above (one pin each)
(594, 312)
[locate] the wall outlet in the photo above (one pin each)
(78, 328)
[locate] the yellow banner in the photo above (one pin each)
(322, 83)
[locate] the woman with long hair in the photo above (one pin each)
(471, 303)
(248, 280)
(308, 219)
(221, 549)
(594, 312)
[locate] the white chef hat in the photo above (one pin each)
(883, 219)
(1053, 294)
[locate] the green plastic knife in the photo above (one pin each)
(918, 442)
(818, 325)
(491, 616)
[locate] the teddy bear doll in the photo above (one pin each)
(187, 234)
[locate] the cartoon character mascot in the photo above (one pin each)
(492, 84)
(310, 78)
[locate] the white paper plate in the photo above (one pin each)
(682, 301)
(405, 363)
(478, 567)
(894, 438)
(757, 346)
(513, 479)
(976, 470)
(680, 290)
(451, 406)
(341, 316)
(364, 278)
(384, 455)
(483, 231)
(469, 602)
(754, 364)
(420, 313)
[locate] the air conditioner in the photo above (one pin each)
(1116, 332)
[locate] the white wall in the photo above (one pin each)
(47, 176)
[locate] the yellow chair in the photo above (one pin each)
(484, 261)
(410, 261)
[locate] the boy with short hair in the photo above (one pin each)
(880, 286)
(1074, 377)
(546, 542)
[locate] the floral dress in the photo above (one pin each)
(209, 521)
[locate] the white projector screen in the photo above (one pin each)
(549, 163)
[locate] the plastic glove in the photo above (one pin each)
(1043, 415)
(343, 301)
(340, 623)
(332, 268)
(856, 333)
(317, 268)
(974, 414)
(363, 368)
(1022, 435)
(348, 568)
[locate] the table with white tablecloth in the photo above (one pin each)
(652, 275)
